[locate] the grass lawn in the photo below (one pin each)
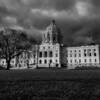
(49, 74)
(45, 84)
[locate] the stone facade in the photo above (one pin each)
(49, 50)
(83, 56)
(51, 53)
(28, 59)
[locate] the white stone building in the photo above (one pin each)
(83, 56)
(50, 48)
(4, 64)
(28, 59)
(48, 54)
(51, 53)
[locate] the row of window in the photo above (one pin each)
(90, 54)
(75, 55)
(49, 47)
(85, 55)
(45, 47)
(26, 55)
(85, 50)
(46, 61)
(74, 51)
(85, 61)
(90, 50)
(47, 54)
(4, 62)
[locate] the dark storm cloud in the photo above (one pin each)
(96, 3)
(76, 18)
(55, 4)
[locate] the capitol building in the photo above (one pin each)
(52, 53)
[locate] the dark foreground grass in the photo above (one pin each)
(49, 74)
(49, 90)
(50, 85)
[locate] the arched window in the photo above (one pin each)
(95, 60)
(56, 55)
(40, 61)
(40, 54)
(50, 54)
(45, 54)
(95, 54)
(56, 60)
(45, 61)
(50, 61)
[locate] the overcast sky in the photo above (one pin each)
(78, 20)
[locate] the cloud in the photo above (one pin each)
(54, 4)
(82, 8)
(54, 14)
(75, 17)
(10, 20)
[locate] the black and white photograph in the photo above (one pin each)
(49, 49)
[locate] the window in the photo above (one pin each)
(71, 51)
(95, 54)
(85, 54)
(90, 60)
(50, 61)
(45, 61)
(40, 61)
(21, 61)
(40, 54)
(75, 55)
(75, 61)
(45, 54)
(75, 51)
(70, 55)
(79, 55)
(56, 55)
(24, 64)
(85, 60)
(50, 54)
(70, 61)
(90, 54)
(94, 50)
(79, 60)
(34, 56)
(3, 62)
(56, 60)
(56, 50)
(49, 47)
(43, 47)
(34, 61)
(95, 60)
(89, 50)
(84, 50)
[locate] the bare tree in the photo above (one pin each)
(12, 44)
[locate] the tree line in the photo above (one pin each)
(13, 43)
